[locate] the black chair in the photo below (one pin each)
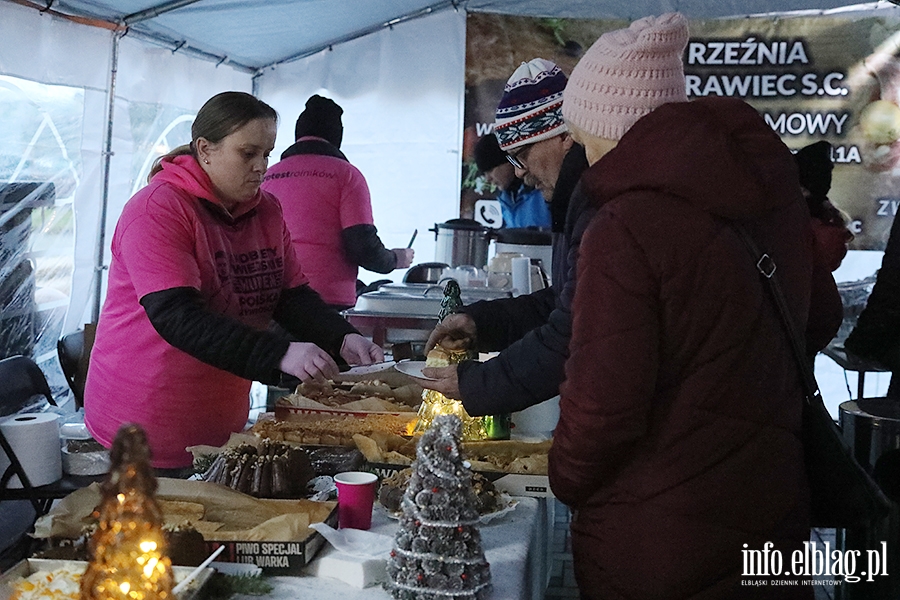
(23, 387)
(70, 348)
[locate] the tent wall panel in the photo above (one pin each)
(402, 94)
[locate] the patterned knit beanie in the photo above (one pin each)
(626, 74)
(322, 118)
(529, 110)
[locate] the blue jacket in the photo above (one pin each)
(524, 206)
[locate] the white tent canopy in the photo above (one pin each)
(255, 35)
(100, 87)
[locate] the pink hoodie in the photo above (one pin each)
(167, 237)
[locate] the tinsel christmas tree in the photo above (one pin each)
(437, 551)
(128, 548)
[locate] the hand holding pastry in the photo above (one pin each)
(456, 332)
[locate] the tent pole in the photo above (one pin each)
(99, 265)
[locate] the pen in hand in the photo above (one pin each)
(413, 238)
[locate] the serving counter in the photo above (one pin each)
(515, 545)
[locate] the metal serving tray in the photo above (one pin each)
(29, 566)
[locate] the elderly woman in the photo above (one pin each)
(201, 263)
(678, 440)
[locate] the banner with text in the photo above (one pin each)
(833, 78)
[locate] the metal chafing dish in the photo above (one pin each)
(407, 312)
(871, 427)
(419, 299)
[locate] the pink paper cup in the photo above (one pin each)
(356, 496)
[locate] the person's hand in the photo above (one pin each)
(446, 381)
(308, 362)
(455, 332)
(357, 350)
(404, 257)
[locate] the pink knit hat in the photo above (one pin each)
(626, 74)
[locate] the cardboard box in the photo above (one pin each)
(519, 484)
(274, 557)
(284, 412)
(273, 534)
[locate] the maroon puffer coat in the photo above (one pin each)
(678, 436)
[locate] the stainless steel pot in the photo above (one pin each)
(425, 272)
(461, 242)
(872, 428)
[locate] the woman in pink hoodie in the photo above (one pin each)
(201, 263)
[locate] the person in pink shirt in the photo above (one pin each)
(202, 262)
(327, 207)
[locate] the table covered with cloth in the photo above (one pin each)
(516, 546)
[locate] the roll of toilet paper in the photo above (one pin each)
(521, 275)
(34, 439)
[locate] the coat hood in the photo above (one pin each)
(184, 172)
(682, 148)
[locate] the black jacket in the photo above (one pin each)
(877, 332)
(532, 332)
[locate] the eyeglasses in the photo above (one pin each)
(518, 159)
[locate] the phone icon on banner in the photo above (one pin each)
(487, 212)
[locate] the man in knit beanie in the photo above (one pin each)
(327, 207)
(679, 436)
(529, 123)
(531, 331)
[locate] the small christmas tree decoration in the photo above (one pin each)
(128, 560)
(451, 303)
(437, 551)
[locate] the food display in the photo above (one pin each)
(46, 579)
(62, 583)
(366, 396)
(508, 456)
(186, 546)
(488, 498)
(331, 460)
(380, 447)
(504, 456)
(330, 413)
(332, 429)
(273, 470)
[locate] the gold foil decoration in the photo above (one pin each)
(435, 404)
(128, 558)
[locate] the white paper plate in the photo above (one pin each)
(367, 369)
(413, 368)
